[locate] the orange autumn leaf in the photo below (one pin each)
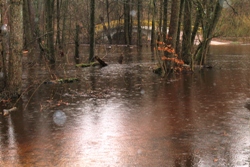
(25, 51)
(160, 48)
(164, 58)
(160, 42)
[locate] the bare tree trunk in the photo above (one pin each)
(196, 24)
(77, 44)
(108, 17)
(159, 34)
(172, 35)
(92, 31)
(14, 81)
(153, 25)
(65, 7)
(165, 20)
(50, 30)
(4, 43)
(173, 27)
(187, 29)
(27, 23)
(37, 33)
(58, 18)
(139, 43)
(126, 21)
(178, 43)
(209, 23)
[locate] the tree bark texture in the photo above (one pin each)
(139, 43)
(14, 80)
(187, 29)
(209, 22)
(92, 31)
(165, 20)
(173, 27)
(50, 30)
(77, 43)
(178, 43)
(58, 18)
(126, 21)
(28, 37)
(153, 25)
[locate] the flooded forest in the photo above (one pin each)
(122, 83)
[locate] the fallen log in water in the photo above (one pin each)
(101, 62)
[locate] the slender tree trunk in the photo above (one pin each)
(65, 6)
(174, 20)
(187, 29)
(77, 44)
(108, 18)
(27, 23)
(160, 16)
(107, 29)
(139, 42)
(92, 31)
(14, 81)
(37, 28)
(172, 35)
(4, 43)
(159, 36)
(153, 25)
(50, 30)
(165, 20)
(148, 22)
(178, 43)
(130, 21)
(58, 16)
(196, 24)
(126, 21)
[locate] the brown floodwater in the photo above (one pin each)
(124, 115)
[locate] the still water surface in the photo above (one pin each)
(123, 115)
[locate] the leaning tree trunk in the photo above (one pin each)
(92, 31)
(14, 80)
(208, 26)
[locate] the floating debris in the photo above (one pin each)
(8, 111)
